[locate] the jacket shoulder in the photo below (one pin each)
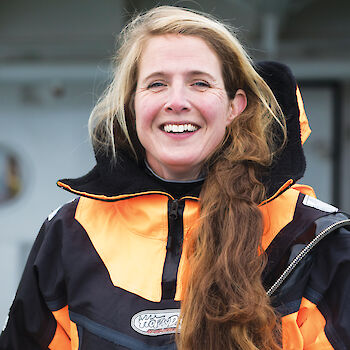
(63, 212)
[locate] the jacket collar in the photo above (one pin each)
(125, 179)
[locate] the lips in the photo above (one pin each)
(179, 128)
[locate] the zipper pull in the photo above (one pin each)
(173, 215)
(169, 244)
(173, 209)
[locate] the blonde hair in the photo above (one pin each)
(112, 118)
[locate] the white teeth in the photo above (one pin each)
(179, 128)
(191, 127)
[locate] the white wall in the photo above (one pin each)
(318, 148)
(49, 135)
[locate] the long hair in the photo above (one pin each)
(224, 303)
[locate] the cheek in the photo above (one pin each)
(218, 136)
(215, 115)
(145, 112)
(214, 106)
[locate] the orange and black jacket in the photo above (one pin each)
(105, 271)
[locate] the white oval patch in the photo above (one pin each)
(155, 322)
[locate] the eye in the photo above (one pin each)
(201, 85)
(157, 85)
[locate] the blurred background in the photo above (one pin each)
(55, 60)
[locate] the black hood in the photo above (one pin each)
(290, 163)
(128, 177)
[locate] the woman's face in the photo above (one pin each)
(181, 105)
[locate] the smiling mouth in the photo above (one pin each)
(179, 128)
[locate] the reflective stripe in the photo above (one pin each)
(317, 204)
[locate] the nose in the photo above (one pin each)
(177, 100)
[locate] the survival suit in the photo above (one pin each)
(105, 270)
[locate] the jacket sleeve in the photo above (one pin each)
(32, 324)
(330, 287)
(323, 318)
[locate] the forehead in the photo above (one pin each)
(178, 52)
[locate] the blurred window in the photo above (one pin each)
(10, 175)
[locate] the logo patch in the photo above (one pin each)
(155, 322)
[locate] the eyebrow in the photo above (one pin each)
(193, 72)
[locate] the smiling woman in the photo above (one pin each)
(181, 105)
(182, 233)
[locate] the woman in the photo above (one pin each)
(190, 200)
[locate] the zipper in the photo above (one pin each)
(173, 247)
(173, 217)
(173, 209)
(296, 261)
